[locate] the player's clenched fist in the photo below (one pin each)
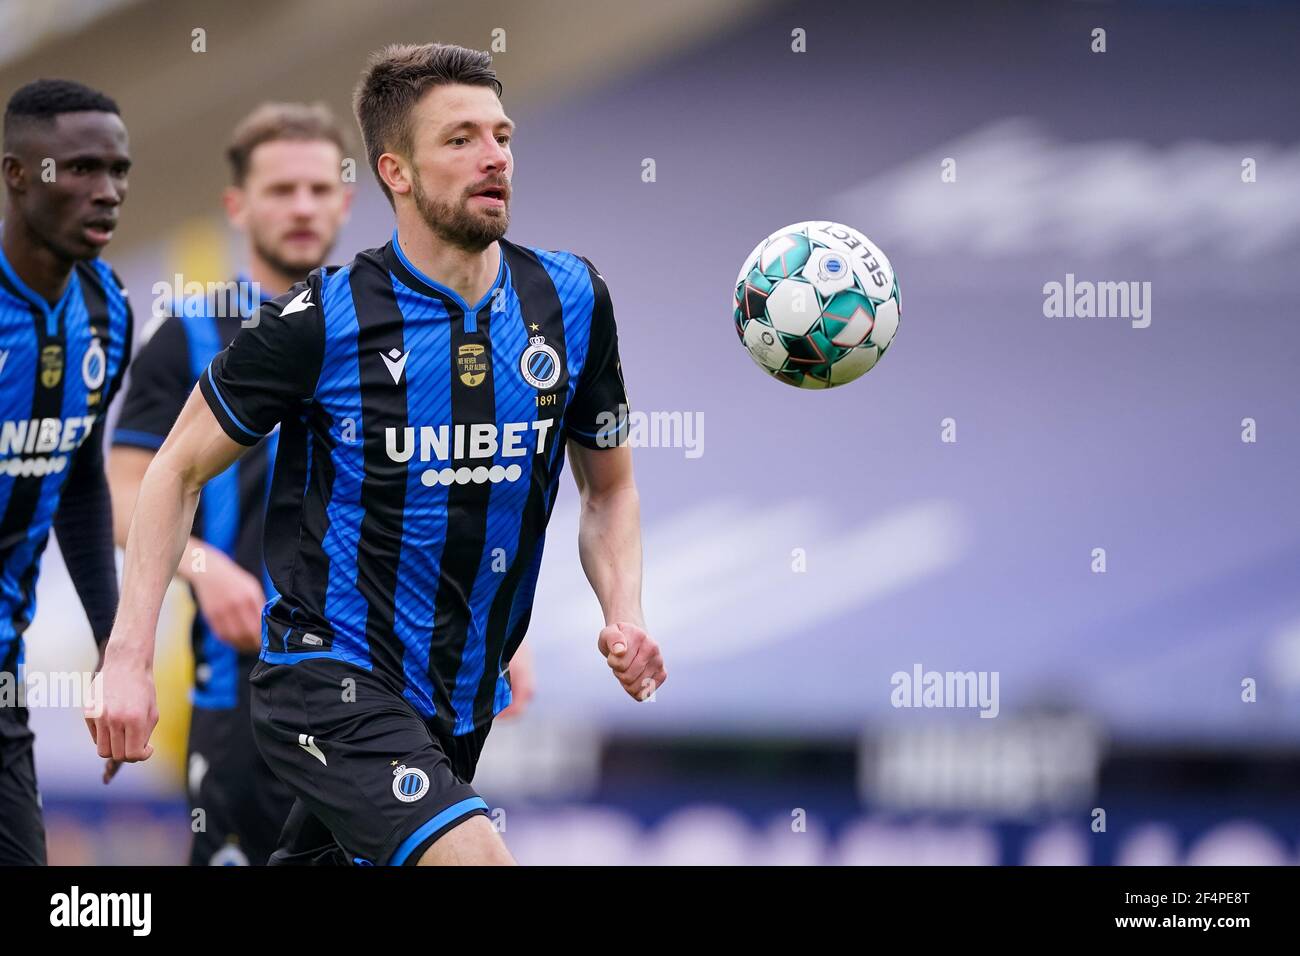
(126, 711)
(634, 657)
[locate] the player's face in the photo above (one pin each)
(292, 203)
(462, 164)
(73, 182)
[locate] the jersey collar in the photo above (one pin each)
(413, 277)
(50, 311)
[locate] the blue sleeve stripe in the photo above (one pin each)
(289, 657)
(126, 436)
(433, 826)
(240, 425)
(610, 431)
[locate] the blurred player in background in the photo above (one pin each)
(289, 200)
(65, 337)
(422, 440)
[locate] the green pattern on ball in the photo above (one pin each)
(789, 262)
(759, 281)
(842, 305)
(812, 355)
(823, 344)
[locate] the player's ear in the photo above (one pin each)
(395, 173)
(232, 197)
(15, 175)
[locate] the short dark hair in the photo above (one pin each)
(271, 122)
(42, 100)
(394, 80)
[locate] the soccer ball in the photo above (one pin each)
(816, 304)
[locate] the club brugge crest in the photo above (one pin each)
(51, 365)
(94, 365)
(229, 855)
(540, 364)
(409, 783)
(471, 363)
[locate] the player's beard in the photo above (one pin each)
(297, 268)
(459, 225)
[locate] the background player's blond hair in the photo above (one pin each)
(272, 122)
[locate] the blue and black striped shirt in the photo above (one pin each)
(421, 446)
(60, 366)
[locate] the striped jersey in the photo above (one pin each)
(232, 505)
(421, 445)
(60, 366)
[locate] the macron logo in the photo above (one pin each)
(299, 303)
(396, 361)
(309, 744)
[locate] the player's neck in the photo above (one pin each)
(469, 274)
(35, 264)
(271, 282)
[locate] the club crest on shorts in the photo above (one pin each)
(540, 364)
(230, 855)
(409, 783)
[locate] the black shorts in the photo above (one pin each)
(22, 831)
(370, 770)
(243, 804)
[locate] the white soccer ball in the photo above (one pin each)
(816, 304)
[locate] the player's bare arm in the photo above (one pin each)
(196, 450)
(609, 546)
(230, 598)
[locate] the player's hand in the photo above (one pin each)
(634, 657)
(111, 766)
(124, 711)
(230, 600)
(523, 683)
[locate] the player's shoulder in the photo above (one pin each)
(325, 282)
(303, 302)
(564, 265)
(216, 309)
(103, 277)
(294, 322)
(100, 282)
(563, 258)
(102, 274)
(166, 334)
(366, 259)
